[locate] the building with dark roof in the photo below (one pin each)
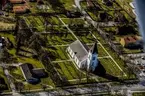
(32, 75)
(84, 57)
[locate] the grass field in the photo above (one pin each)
(73, 20)
(38, 22)
(68, 4)
(68, 70)
(63, 40)
(86, 38)
(58, 53)
(6, 26)
(139, 94)
(111, 68)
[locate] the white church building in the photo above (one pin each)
(84, 57)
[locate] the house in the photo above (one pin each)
(32, 75)
(132, 4)
(85, 58)
(131, 42)
(20, 9)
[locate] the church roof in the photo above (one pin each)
(94, 48)
(79, 49)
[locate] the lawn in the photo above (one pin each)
(68, 4)
(101, 51)
(6, 26)
(38, 22)
(10, 36)
(63, 40)
(110, 29)
(73, 20)
(125, 5)
(44, 81)
(128, 16)
(16, 73)
(99, 38)
(34, 62)
(54, 20)
(86, 38)
(119, 61)
(58, 53)
(68, 70)
(93, 15)
(111, 67)
(139, 94)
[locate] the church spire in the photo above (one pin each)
(94, 48)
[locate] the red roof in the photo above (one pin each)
(130, 39)
(16, 1)
(19, 9)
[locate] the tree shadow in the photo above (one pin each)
(26, 51)
(57, 5)
(53, 73)
(3, 85)
(100, 71)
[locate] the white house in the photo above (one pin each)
(132, 4)
(84, 57)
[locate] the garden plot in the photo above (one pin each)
(39, 23)
(57, 40)
(58, 53)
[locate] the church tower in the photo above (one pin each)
(92, 61)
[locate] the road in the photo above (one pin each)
(89, 89)
(10, 81)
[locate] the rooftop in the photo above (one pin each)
(16, 1)
(26, 71)
(79, 49)
(22, 8)
(130, 39)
